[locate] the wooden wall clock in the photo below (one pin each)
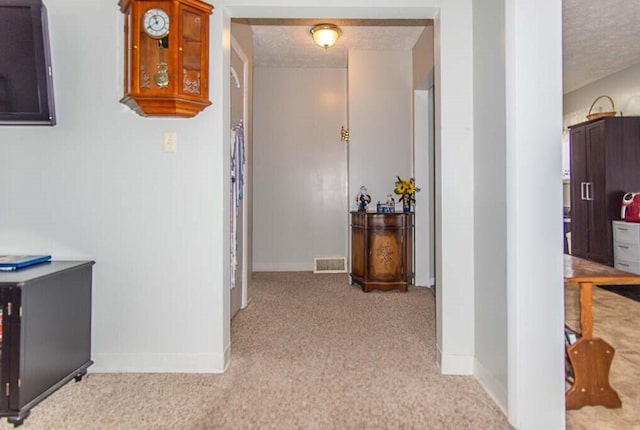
(166, 56)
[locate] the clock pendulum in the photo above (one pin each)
(156, 25)
(161, 77)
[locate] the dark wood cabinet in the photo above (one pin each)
(605, 164)
(46, 332)
(382, 250)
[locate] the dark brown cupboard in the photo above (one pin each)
(46, 332)
(382, 250)
(605, 164)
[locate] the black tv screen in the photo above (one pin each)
(26, 76)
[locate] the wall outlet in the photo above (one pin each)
(169, 141)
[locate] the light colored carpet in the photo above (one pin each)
(310, 352)
(616, 319)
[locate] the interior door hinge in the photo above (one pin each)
(6, 389)
(344, 134)
(19, 382)
(9, 309)
(20, 311)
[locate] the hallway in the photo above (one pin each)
(318, 353)
(309, 352)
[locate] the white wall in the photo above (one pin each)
(380, 122)
(623, 87)
(98, 186)
(535, 290)
(300, 167)
(454, 148)
(490, 193)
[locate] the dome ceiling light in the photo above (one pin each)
(325, 35)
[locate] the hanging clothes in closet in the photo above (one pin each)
(237, 183)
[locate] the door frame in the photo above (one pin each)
(235, 45)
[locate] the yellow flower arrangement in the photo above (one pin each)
(406, 188)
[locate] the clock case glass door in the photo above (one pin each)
(167, 76)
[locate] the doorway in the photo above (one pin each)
(300, 167)
(239, 282)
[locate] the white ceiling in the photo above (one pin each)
(292, 45)
(599, 38)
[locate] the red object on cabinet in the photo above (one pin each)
(630, 207)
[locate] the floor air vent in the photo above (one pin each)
(330, 265)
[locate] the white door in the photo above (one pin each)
(238, 198)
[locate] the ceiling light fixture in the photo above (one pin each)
(325, 35)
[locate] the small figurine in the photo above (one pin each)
(363, 199)
(390, 201)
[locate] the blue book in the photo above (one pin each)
(14, 262)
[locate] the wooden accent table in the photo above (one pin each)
(591, 356)
(381, 250)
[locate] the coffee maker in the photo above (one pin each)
(630, 210)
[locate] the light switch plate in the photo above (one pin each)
(169, 141)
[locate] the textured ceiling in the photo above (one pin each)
(292, 45)
(600, 38)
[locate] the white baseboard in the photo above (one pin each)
(227, 357)
(283, 267)
(491, 385)
(159, 363)
(455, 364)
(430, 283)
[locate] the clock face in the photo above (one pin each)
(156, 23)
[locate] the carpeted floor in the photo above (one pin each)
(310, 352)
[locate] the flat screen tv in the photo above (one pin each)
(26, 76)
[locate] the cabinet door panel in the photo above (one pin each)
(579, 207)
(600, 248)
(385, 256)
(193, 53)
(357, 249)
(5, 349)
(56, 331)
